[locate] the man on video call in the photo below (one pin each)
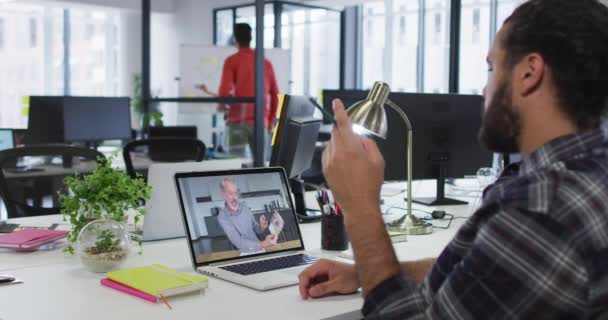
(537, 247)
(238, 222)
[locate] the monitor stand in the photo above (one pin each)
(304, 215)
(440, 199)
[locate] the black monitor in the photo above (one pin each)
(45, 120)
(173, 132)
(445, 144)
(19, 136)
(87, 119)
(509, 158)
(293, 145)
(348, 97)
(78, 119)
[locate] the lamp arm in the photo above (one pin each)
(408, 126)
(395, 107)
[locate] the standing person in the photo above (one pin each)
(238, 80)
(537, 247)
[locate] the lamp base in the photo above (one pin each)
(410, 225)
(438, 201)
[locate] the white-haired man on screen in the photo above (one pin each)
(237, 221)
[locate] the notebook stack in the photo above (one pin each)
(30, 239)
(154, 283)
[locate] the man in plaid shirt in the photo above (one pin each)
(538, 245)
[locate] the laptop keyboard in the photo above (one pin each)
(270, 264)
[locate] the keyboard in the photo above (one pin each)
(270, 264)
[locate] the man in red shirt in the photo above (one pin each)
(238, 80)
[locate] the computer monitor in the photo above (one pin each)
(6, 139)
(173, 131)
(293, 145)
(78, 119)
(45, 120)
(19, 136)
(509, 158)
(348, 97)
(92, 119)
(445, 144)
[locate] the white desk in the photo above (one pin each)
(57, 287)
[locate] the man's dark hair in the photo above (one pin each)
(242, 34)
(572, 38)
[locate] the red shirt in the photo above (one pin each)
(238, 79)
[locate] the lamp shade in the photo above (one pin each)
(369, 116)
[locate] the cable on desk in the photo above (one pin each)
(429, 216)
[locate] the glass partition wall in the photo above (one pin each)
(311, 34)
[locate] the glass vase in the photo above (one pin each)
(103, 245)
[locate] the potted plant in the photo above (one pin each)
(152, 117)
(107, 193)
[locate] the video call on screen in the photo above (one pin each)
(231, 216)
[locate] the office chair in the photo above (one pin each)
(32, 176)
(169, 149)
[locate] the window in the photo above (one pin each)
(474, 45)
(405, 46)
(1, 33)
(223, 31)
(437, 34)
(28, 66)
(247, 15)
(313, 67)
(93, 43)
(304, 31)
(375, 54)
(476, 26)
(504, 10)
(437, 53)
(32, 59)
(392, 50)
(33, 33)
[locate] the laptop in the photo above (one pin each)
(241, 226)
(162, 219)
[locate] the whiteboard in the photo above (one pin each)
(202, 64)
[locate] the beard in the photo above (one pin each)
(500, 125)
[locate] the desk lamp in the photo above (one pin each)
(369, 117)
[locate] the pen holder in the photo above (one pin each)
(333, 233)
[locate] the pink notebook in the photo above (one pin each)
(128, 290)
(30, 239)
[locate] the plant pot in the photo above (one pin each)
(103, 245)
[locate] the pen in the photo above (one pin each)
(165, 301)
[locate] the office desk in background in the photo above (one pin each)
(57, 287)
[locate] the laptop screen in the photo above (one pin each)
(231, 214)
(6, 139)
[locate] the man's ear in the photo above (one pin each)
(531, 72)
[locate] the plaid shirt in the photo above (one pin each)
(537, 248)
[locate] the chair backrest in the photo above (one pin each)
(32, 176)
(169, 149)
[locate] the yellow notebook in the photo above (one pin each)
(159, 280)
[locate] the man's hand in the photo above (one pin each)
(354, 169)
(263, 222)
(328, 277)
(270, 240)
(353, 166)
(205, 89)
